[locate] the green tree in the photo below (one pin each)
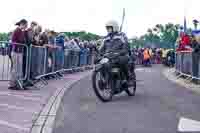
(3, 36)
(83, 35)
(159, 36)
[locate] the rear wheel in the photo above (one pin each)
(103, 90)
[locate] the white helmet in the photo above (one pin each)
(114, 24)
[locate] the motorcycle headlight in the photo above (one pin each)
(104, 60)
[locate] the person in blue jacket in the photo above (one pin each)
(60, 41)
(81, 54)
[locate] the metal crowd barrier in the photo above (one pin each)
(187, 63)
(37, 62)
(67, 59)
(5, 61)
(14, 63)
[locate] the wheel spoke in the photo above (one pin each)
(104, 92)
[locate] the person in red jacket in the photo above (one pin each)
(184, 44)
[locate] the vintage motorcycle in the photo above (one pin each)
(108, 80)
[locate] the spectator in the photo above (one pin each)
(159, 55)
(184, 42)
(147, 56)
(60, 40)
(164, 55)
(67, 43)
(93, 51)
(196, 54)
(68, 48)
(43, 39)
(75, 52)
(82, 54)
(50, 49)
(30, 32)
(140, 56)
(28, 40)
(37, 35)
(36, 53)
(89, 52)
(86, 51)
(18, 37)
(76, 44)
(51, 37)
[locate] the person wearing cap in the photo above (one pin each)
(18, 37)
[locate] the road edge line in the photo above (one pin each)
(45, 121)
(169, 74)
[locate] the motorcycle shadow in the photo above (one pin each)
(123, 97)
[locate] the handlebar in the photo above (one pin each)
(109, 55)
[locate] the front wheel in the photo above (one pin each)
(131, 90)
(102, 90)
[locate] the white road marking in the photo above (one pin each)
(188, 125)
(143, 70)
(139, 69)
(16, 108)
(5, 123)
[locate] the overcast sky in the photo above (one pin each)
(91, 15)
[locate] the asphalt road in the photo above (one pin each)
(157, 107)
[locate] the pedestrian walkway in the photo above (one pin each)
(19, 109)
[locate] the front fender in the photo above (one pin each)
(98, 67)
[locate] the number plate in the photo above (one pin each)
(115, 70)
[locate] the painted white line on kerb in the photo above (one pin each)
(5, 123)
(21, 93)
(188, 125)
(26, 94)
(22, 97)
(16, 108)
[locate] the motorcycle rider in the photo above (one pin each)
(116, 42)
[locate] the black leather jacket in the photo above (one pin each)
(116, 42)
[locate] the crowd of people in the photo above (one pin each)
(188, 53)
(35, 36)
(24, 37)
(148, 56)
(188, 42)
